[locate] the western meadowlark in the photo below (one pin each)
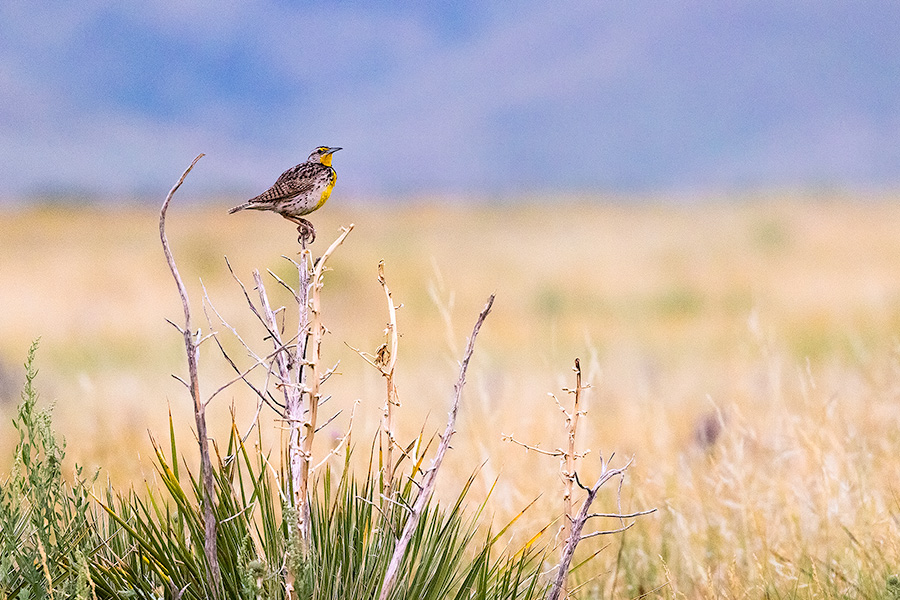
(299, 191)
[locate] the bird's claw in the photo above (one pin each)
(307, 232)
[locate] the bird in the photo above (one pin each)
(299, 191)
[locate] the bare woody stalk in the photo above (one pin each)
(285, 361)
(390, 577)
(299, 372)
(385, 360)
(299, 466)
(388, 361)
(573, 525)
(191, 345)
(315, 377)
(568, 471)
(578, 523)
(567, 457)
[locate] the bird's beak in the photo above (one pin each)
(333, 150)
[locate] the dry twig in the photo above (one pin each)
(310, 354)
(577, 527)
(567, 457)
(385, 359)
(573, 524)
(191, 344)
(390, 577)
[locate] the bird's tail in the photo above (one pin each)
(241, 207)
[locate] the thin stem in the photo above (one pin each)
(390, 577)
(191, 347)
(386, 361)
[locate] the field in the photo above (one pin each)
(743, 350)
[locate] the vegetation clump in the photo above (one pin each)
(48, 526)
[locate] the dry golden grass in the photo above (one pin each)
(777, 318)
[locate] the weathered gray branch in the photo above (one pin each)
(309, 348)
(286, 360)
(576, 535)
(191, 344)
(390, 577)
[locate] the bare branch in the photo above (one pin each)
(254, 420)
(569, 458)
(240, 512)
(559, 405)
(178, 327)
(234, 332)
(278, 485)
(265, 398)
(577, 526)
(281, 354)
(252, 306)
(327, 374)
(384, 517)
(209, 521)
(530, 448)
(182, 291)
(369, 358)
(621, 516)
(308, 353)
(608, 531)
(283, 284)
(242, 375)
(581, 485)
(385, 360)
(333, 417)
(390, 578)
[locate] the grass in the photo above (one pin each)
(780, 317)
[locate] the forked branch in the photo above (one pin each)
(578, 523)
(567, 456)
(313, 331)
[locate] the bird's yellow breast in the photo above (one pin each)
(326, 192)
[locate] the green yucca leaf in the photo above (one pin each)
(150, 544)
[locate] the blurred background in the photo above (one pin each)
(698, 199)
(493, 100)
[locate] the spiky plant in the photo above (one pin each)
(156, 539)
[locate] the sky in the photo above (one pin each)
(486, 99)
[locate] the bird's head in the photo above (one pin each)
(322, 154)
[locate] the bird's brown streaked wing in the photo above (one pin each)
(292, 174)
(295, 181)
(284, 188)
(279, 191)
